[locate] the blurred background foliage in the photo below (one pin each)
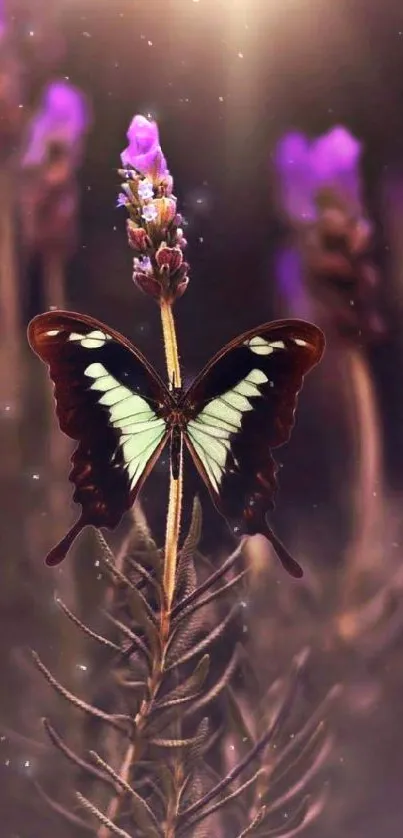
(283, 126)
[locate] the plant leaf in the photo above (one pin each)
(142, 812)
(217, 687)
(208, 583)
(74, 758)
(211, 597)
(195, 530)
(101, 817)
(206, 642)
(60, 810)
(103, 641)
(116, 721)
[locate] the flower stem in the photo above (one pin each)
(170, 344)
(175, 487)
(172, 535)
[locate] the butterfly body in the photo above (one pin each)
(111, 400)
(176, 448)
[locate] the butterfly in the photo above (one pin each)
(115, 405)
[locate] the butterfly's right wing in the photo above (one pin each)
(240, 407)
(111, 401)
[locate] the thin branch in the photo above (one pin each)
(218, 686)
(257, 749)
(299, 786)
(212, 579)
(224, 800)
(304, 735)
(295, 822)
(210, 597)
(143, 573)
(62, 811)
(204, 644)
(98, 637)
(115, 720)
(136, 641)
(128, 584)
(125, 786)
(58, 742)
(255, 822)
(101, 817)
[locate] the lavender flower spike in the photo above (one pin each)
(61, 120)
(144, 151)
(335, 159)
(3, 27)
(306, 167)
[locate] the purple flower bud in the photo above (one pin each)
(170, 257)
(144, 152)
(147, 284)
(138, 238)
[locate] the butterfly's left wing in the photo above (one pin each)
(109, 399)
(241, 406)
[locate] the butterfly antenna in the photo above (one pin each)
(61, 549)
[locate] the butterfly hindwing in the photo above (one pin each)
(241, 406)
(110, 400)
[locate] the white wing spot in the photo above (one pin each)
(300, 342)
(52, 333)
(237, 400)
(260, 346)
(257, 377)
(218, 409)
(115, 395)
(92, 340)
(96, 371)
(103, 383)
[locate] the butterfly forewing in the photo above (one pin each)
(111, 401)
(241, 406)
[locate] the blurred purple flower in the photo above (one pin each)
(61, 120)
(306, 167)
(144, 151)
(3, 26)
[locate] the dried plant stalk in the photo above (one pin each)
(155, 764)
